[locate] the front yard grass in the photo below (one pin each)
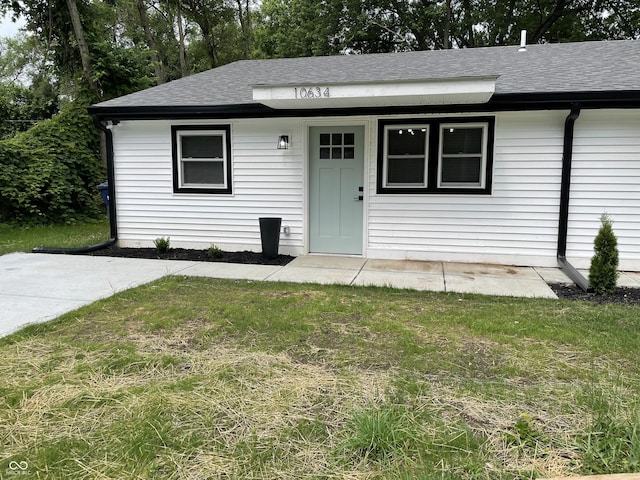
(191, 378)
(15, 238)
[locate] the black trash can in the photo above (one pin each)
(270, 236)
(104, 191)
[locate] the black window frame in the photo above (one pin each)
(179, 130)
(433, 156)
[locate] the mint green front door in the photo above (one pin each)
(336, 176)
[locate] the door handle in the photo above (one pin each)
(359, 198)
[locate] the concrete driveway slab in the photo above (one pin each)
(327, 261)
(488, 270)
(231, 270)
(552, 275)
(403, 266)
(411, 280)
(323, 276)
(39, 287)
(629, 279)
(493, 285)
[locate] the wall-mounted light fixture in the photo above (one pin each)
(283, 142)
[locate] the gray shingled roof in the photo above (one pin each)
(611, 66)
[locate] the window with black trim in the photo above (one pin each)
(443, 155)
(201, 158)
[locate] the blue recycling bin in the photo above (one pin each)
(103, 188)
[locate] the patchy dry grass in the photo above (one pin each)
(193, 378)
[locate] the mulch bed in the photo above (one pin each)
(623, 295)
(252, 258)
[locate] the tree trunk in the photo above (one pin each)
(151, 43)
(207, 36)
(447, 27)
(245, 26)
(181, 48)
(468, 20)
(78, 31)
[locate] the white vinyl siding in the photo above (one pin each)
(606, 178)
(267, 182)
(517, 223)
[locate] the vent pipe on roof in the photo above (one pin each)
(523, 41)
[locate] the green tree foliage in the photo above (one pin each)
(49, 173)
(297, 28)
(603, 273)
(305, 28)
(27, 92)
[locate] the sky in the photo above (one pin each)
(7, 27)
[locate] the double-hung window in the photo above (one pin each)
(406, 155)
(201, 159)
(435, 155)
(462, 155)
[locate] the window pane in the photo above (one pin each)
(462, 140)
(349, 139)
(349, 152)
(336, 153)
(461, 170)
(202, 146)
(325, 139)
(409, 142)
(409, 170)
(336, 139)
(210, 173)
(325, 152)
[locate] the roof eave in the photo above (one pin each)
(498, 102)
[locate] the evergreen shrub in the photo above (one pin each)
(603, 273)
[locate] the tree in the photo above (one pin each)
(296, 28)
(603, 273)
(150, 40)
(28, 92)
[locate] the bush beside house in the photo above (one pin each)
(603, 273)
(49, 173)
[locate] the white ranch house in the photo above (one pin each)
(493, 155)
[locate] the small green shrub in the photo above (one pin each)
(603, 273)
(162, 244)
(214, 252)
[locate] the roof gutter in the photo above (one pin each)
(497, 103)
(565, 196)
(112, 204)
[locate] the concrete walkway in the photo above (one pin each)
(39, 287)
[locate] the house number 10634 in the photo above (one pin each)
(312, 92)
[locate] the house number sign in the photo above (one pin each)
(312, 92)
